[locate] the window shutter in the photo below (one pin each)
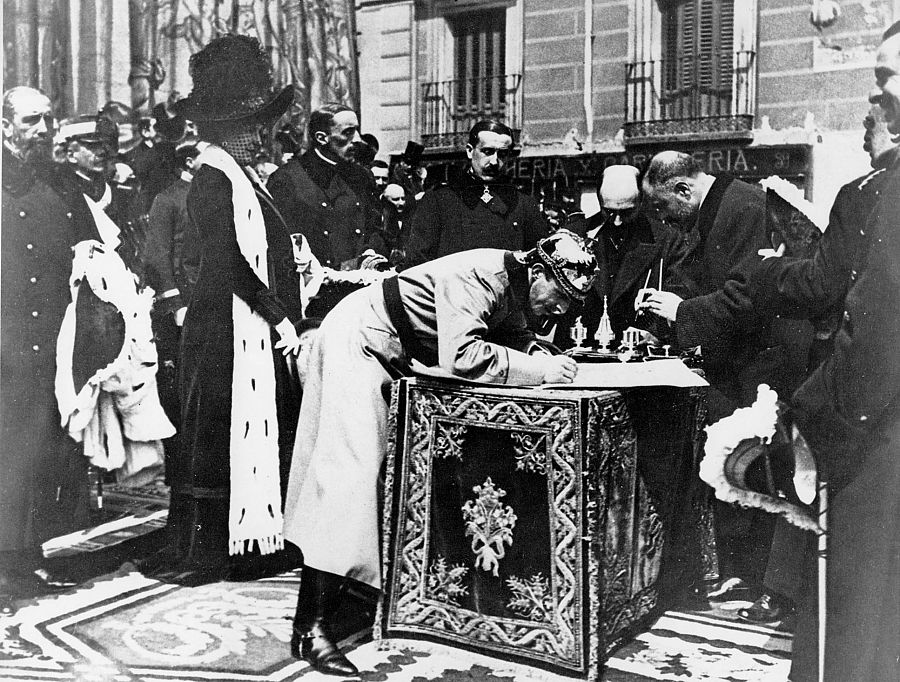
(480, 50)
(698, 54)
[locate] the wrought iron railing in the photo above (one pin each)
(708, 95)
(450, 108)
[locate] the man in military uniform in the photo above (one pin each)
(44, 486)
(815, 288)
(324, 195)
(849, 412)
(91, 147)
(478, 209)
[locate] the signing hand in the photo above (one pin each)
(662, 303)
(559, 369)
(289, 343)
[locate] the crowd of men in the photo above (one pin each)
(335, 268)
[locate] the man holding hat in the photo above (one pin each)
(466, 314)
(479, 209)
(239, 404)
(631, 251)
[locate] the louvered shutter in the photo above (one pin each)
(480, 51)
(698, 53)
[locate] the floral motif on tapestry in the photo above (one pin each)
(490, 523)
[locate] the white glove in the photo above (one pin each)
(772, 253)
(289, 341)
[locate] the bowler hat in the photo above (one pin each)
(232, 81)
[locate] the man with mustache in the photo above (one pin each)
(327, 197)
(479, 209)
(44, 486)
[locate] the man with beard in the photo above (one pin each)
(324, 195)
(478, 209)
(44, 484)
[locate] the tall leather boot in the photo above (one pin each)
(312, 641)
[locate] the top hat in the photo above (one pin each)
(170, 127)
(412, 155)
(232, 81)
(570, 261)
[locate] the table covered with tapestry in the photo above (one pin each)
(543, 526)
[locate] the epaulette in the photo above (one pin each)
(865, 181)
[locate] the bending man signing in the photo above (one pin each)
(466, 313)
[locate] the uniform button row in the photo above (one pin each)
(29, 246)
(36, 348)
(33, 280)
(34, 313)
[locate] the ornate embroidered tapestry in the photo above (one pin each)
(537, 525)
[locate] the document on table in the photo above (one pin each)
(629, 374)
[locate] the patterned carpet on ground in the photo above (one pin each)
(126, 627)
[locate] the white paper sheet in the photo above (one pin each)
(629, 374)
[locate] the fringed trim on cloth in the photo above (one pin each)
(118, 406)
(759, 421)
(254, 510)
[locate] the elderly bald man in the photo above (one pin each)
(627, 246)
(725, 222)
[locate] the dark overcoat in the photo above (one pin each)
(645, 246)
(43, 485)
(172, 250)
(739, 348)
(454, 218)
(330, 205)
(849, 411)
(200, 473)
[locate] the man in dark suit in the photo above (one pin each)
(327, 197)
(44, 484)
(629, 248)
(725, 222)
(479, 209)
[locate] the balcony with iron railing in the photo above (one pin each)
(706, 96)
(450, 108)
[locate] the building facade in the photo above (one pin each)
(750, 87)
